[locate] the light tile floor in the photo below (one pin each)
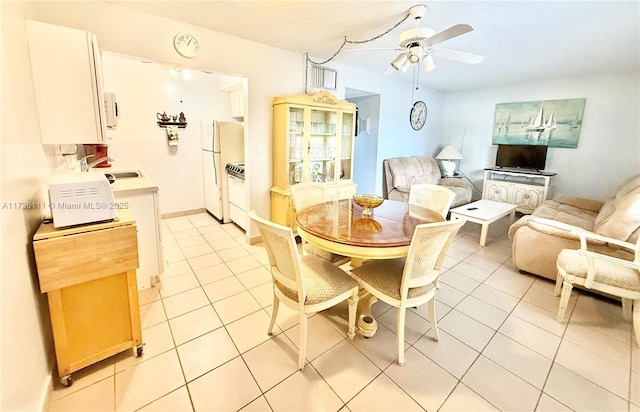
(500, 347)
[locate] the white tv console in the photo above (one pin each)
(526, 189)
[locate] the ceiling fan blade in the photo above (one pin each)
(446, 34)
(457, 55)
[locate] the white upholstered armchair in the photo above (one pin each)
(603, 273)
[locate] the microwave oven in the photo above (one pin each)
(77, 198)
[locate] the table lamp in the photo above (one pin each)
(448, 154)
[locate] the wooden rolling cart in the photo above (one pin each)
(89, 275)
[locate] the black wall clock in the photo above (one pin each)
(418, 115)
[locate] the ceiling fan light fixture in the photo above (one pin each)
(415, 54)
(405, 66)
(415, 35)
(399, 61)
(428, 63)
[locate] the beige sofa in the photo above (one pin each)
(399, 173)
(539, 237)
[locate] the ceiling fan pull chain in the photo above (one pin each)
(413, 79)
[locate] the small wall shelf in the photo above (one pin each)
(181, 125)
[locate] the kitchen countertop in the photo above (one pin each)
(129, 185)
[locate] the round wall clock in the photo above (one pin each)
(418, 115)
(186, 45)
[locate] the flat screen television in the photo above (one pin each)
(521, 156)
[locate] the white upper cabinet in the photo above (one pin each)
(68, 85)
(237, 103)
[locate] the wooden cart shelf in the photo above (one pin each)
(89, 275)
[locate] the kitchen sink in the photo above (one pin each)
(125, 174)
(128, 174)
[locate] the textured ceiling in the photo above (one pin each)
(522, 41)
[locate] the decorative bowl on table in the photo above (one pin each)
(368, 202)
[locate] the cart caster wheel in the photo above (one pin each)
(139, 351)
(66, 380)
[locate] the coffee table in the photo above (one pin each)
(484, 212)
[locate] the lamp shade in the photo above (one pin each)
(449, 153)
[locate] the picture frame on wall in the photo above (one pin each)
(553, 123)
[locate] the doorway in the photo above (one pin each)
(365, 156)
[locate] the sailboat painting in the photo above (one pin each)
(553, 123)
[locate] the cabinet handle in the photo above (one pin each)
(527, 196)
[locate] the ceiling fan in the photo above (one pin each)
(418, 44)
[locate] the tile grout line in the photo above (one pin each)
(387, 367)
(496, 331)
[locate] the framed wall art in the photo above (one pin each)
(553, 123)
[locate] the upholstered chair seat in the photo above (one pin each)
(409, 282)
(603, 273)
(307, 284)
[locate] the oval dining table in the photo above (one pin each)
(339, 226)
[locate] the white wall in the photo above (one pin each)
(365, 159)
(27, 354)
(607, 151)
(144, 89)
(269, 71)
(27, 348)
(128, 32)
(608, 148)
(26, 345)
(395, 135)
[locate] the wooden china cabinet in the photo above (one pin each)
(313, 140)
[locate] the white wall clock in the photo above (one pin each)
(418, 115)
(186, 45)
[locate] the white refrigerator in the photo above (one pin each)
(222, 143)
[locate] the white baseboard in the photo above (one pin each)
(182, 213)
(48, 391)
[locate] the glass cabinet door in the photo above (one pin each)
(296, 144)
(322, 146)
(346, 145)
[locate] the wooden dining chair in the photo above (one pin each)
(409, 282)
(603, 273)
(307, 194)
(434, 197)
(306, 283)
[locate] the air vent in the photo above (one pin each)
(324, 77)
